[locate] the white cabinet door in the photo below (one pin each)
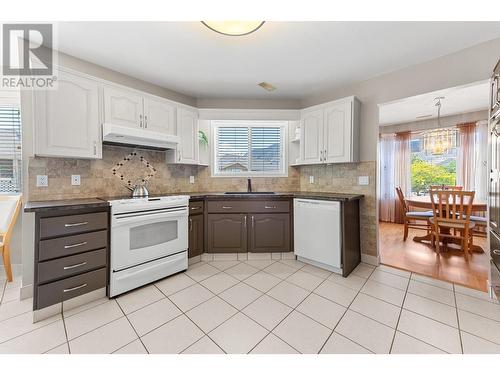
(67, 119)
(159, 115)
(123, 107)
(311, 139)
(187, 130)
(338, 133)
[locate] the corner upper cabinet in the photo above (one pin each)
(67, 122)
(187, 129)
(330, 132)
(123, 107)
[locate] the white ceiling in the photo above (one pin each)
(300, 58)
(457, 100)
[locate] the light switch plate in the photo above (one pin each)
(191, 179)
(311, 179)
(75, 179)
(42, 180)
(363, 180)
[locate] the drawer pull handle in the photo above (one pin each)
(496, 252)
(76, 224)
(75, 245)
(270, 207)
(74, 266)
(75, 288)
(227, 207)
(195, 208)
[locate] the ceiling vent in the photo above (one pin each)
(267, 86)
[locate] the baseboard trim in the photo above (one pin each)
(26, 291)
(370, 259)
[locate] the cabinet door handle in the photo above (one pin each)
(253, 221)
(190, 225)
(496, 252)
(76, 224)
(74, 266)
(227, 207)
(179, 155)
(75, 288)
(95, 148)
(145, 121)
(195, 208)
(270, 207)
(245, 221)
(75, 245)
(321, 155)
(140, 121)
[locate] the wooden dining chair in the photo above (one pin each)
(445, 187)
(9, 211)
(412, 218)
(452, 211)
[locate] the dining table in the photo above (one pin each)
(424, 201)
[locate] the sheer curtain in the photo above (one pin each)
(466, 158)
(387, 148)
(394, 171)
(402, 167)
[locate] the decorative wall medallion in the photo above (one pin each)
(132, 174)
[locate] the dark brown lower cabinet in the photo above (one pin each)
(195, 235)
(269, 233)
(227, 233)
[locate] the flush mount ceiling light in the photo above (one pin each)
(233, 28)
(267, 86)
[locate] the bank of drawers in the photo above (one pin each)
(72, 256)
(248, 206)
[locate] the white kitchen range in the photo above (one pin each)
(149, 240)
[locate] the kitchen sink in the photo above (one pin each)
(250, 192)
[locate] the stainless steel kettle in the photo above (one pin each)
(139, 191)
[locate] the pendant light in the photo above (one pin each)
(439, 141)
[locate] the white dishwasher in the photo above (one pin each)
(317, 233)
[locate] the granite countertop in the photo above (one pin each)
(72, 204)
(64, 204)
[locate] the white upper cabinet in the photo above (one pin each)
(187, 130)
(330, 132)
(159, 115)
(67, 119)
(311, 139)
(123, 107)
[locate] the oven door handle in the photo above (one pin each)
(139, 217)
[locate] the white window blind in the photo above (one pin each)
(249, 150)
(10, 150)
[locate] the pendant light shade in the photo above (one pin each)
(233, 28)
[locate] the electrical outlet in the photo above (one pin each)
(311, 179)
(363, 180)
(42, 180)
(75, 179)
(191, 179)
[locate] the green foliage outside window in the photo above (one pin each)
(424, 174)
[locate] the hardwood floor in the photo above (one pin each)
(420, 258)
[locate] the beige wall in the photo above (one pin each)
(447, 121)
(117, 77)
(466, 66)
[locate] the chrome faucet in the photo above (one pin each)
(249, 185)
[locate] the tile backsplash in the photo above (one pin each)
(97, 180)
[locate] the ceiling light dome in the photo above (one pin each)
(233, 28)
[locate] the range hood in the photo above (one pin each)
(123, 135)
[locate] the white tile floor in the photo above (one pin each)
(265, 306)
